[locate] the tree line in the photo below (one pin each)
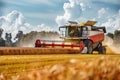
(22, 38)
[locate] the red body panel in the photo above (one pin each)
(97, 38)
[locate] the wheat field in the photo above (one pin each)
(15, 65)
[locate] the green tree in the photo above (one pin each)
(117, 36)
(111, 35)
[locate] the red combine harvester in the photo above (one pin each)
(84, 37)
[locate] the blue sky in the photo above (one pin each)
(53, 13)
(35, 11)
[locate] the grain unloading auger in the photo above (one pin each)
(77, 38)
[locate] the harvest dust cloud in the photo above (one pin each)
(30, 41)
(109, 42)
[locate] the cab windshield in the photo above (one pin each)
(74, 31)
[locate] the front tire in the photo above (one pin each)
(89, 46)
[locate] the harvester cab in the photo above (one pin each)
(75, 30)
(86, 36)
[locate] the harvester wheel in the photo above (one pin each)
(89, 46)
(102, 50)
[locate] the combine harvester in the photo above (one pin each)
(80, 38)
(76, 38)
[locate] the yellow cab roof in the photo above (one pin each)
(90, 23)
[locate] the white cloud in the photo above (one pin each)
(101, 12)
(72, 10)
(113, 23)
(85, 4)
(14, 21)
(42, 27)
